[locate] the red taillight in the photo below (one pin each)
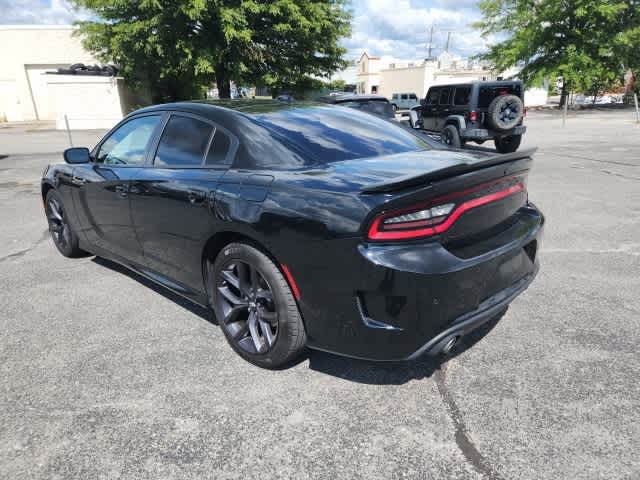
(473, 116)
(435, 218)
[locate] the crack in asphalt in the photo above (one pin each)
(20, 253)
(463, 440)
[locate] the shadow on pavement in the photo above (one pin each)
(393, 373)
(353, 370)
(202, 312)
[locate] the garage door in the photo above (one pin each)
(41, 98)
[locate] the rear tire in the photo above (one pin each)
(508, 144)
(255, 306)
(64, 238)
(451, 137)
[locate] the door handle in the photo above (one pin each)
(122, 191)
(78, 180)
(195, 196)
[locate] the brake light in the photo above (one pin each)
(437, 217)
(473, 116)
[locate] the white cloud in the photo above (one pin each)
(53, 12)
(400, 28)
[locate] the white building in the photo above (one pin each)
(27, 93)
(386, 76)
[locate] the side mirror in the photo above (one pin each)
(77, 155)
(413, 119)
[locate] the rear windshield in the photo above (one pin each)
(332, 134)
(487, 94)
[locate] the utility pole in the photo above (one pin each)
(430, 42)
(446, 48)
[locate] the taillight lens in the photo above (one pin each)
(473, 116)
(438, 216)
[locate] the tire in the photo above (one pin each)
(63, 236)
(395, 107)
(451, 137)
(505, 112)
(508, 144)
(255, 306)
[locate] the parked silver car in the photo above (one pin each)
(404, 101)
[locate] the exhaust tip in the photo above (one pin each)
(449, 344)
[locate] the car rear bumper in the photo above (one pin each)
(411, 298)
(484, 134)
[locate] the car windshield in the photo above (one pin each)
(332, 134)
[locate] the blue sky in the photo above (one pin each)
(397, 28)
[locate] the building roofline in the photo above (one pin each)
(37, 27)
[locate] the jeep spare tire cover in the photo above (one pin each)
(505, 112)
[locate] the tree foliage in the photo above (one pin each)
(588, 42)
(176, 48)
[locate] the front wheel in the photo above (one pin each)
(508, 144)
(64, 238)
(255, 306)
(451, 137)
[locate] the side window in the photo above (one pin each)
(395, 96)
(413, 97)
(404, 96)
(461, 96)
(219, 150)
(444, 96)
(128, 144)
(183, 143)
(433, 96)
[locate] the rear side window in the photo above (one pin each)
(433, 96)
(219, 150)
(183, 143)
(444, 96)
(404, 96)
(331, 134)
(413, 97)
(487, 94)
(461, 96)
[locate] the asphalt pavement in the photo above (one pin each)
(105, 375)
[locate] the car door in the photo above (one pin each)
(170, 198)
(102, 193)
(404, 101)
(443, 109)
(430, 109)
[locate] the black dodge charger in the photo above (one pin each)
(303, 225)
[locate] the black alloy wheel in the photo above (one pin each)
(451, 137)
(255, 306)
(246, 299)
(60, 230)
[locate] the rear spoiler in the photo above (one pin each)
(400, 183)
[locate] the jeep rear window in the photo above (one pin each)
(461, 96)
(487, 94)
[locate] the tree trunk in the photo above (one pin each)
(223, 82)
(563, 95)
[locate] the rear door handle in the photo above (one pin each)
(122, 190)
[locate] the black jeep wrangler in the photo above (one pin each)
(477, 111)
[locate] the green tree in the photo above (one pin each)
(588, 42)
(176, 48)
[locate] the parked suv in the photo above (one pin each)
(477, 111)
(404, 101)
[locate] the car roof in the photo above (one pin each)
(352, 97)
(481, 83)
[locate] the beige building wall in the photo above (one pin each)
(26, 52)
(404, 80)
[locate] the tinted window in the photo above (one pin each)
(461, 96)
(433, 96)
(329, 134)
(487, 94)
(219, 150)
(444, 96)
(128, 144)
(404, 96)
(183, 143)
(413, 97)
